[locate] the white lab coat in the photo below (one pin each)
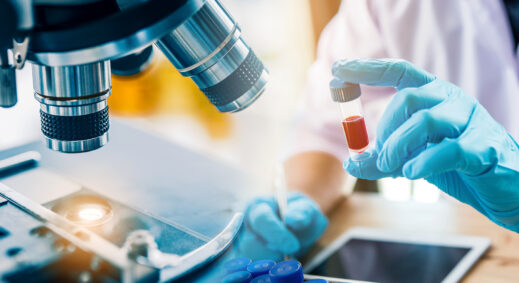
(466, 42)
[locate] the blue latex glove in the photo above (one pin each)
(265, 237)
(433, 130)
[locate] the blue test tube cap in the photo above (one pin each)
(260, 267)
(289, 271)
(265, 278)
(316, 281)
(238, 277)
(237, 264)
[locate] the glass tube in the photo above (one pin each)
(348, 97)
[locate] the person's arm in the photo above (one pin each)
(319, 175)
(315, 147)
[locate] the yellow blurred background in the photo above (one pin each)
(160, 89)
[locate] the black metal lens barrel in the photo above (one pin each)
(73, 107)
(208, 47)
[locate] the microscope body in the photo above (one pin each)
(74, 45)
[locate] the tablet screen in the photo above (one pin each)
(382, 261)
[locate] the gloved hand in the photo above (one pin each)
(265, 237)
(433, 130)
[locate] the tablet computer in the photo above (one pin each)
(378, 255)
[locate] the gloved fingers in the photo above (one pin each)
(295, 195)
(249, 245)
(300, 210)
(300, 213)
(446, 156)
(305, 219)
(452, 184)
(307, 237)
(367, 168)
(268, 200)
(446, 120)
(381, 72)
(404, 104)
(264, 221)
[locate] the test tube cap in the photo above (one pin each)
(342, 91)
(260, 267)
(238, 277)
(237, 264)
(289, 271)
(265, 278)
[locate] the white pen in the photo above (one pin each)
(281, 195)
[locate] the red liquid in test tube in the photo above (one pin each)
(356, 133)
(347, 96)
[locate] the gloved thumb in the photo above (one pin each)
(367, 168)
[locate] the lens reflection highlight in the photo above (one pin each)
(91, 214)
(85, 210)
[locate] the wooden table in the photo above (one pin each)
(499, 264)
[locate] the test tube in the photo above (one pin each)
(347, 95)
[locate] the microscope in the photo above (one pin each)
(75, 45)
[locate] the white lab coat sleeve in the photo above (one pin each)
(352, 33)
